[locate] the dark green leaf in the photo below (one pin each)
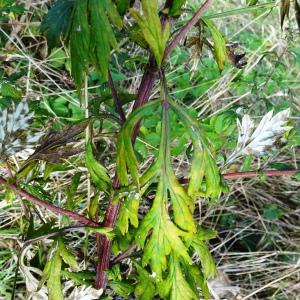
(56, 23)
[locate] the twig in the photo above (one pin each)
(57, 210)
(252, 174)
(123, 255)
(182, 33)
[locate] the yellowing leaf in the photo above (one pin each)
(183, 206)
(154, 33)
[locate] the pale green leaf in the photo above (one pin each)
(220, 49)
(129, 212)
(145, 288)
(54, 281)
(108, 232)
(207, 262)
(175, 287)
(155, 35)
(67, 256)
(99, 175)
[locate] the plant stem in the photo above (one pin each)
(116, 98)
(104, 244)
(147, 83)
(57, 210)
(182, 33)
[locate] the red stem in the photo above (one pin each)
(104, 244)
(57, 210)
(116, 98)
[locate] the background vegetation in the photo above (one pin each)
(256, 249)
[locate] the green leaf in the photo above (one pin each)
(220, 49)
(57, 58)
(175, 8)
(93, 207)
(122, 288)
(108, 232)
(272, 212)
(126, 158)
(79, 41)
(53, 282)
(207, 263)
(80, 278)
(99, 175)
(155, 35)
(175, 287)
(204, 163)
(297, 176)
(71, 191)
(86, 26)
(102, 35)
(56, 23)
(251, 2)
(8, 89)
(129, 212)
(145, 288)
(67, 256)
(122, 6)
(247, 163)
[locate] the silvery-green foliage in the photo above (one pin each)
(14, 130)
(255, 140)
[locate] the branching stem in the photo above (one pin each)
(57, 210)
